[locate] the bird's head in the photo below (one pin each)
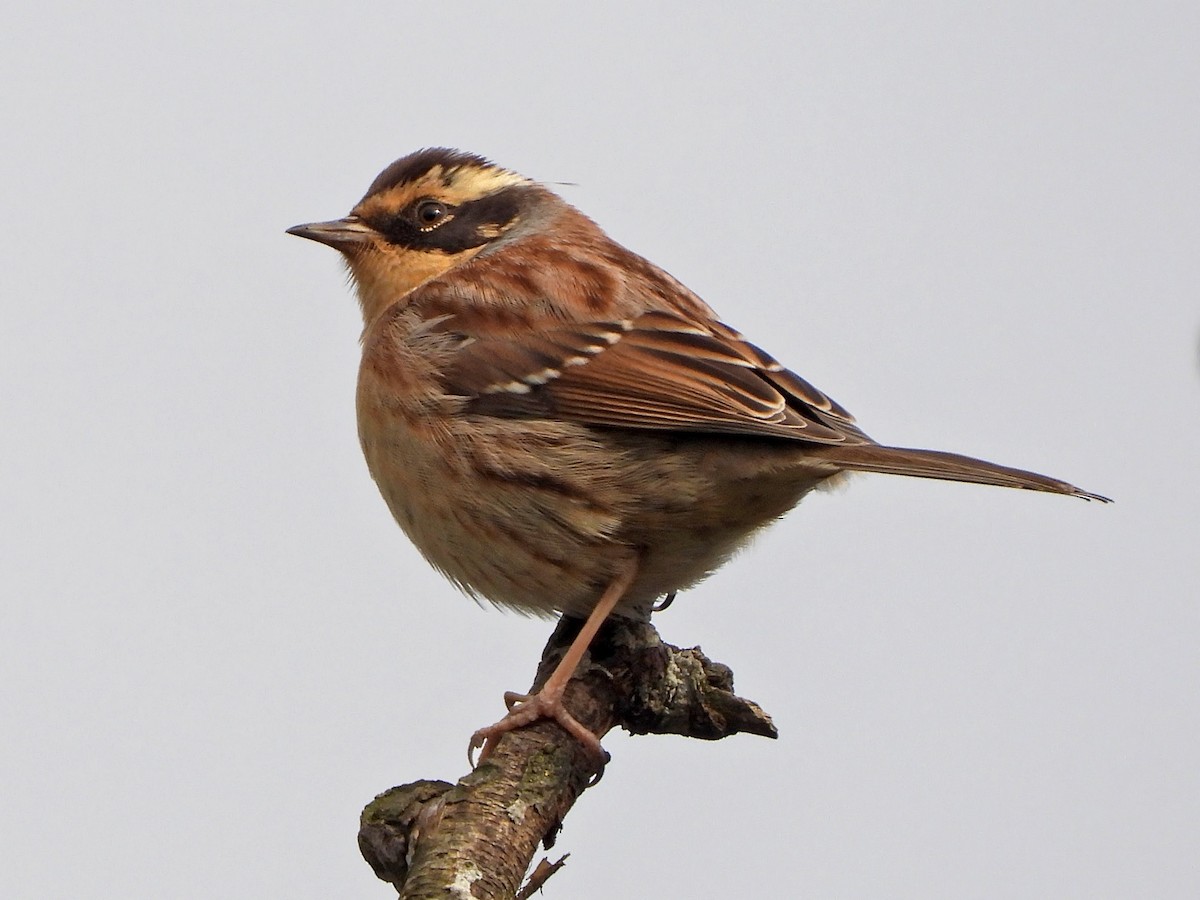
(426, 214)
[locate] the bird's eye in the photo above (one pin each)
(431, 213)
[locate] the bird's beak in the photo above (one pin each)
(340, 234)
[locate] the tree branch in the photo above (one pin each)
(476, 838)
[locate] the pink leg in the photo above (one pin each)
(525, 709)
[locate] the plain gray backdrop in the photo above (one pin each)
(974, 225)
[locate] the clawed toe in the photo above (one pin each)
(512, 698)
(526, 709)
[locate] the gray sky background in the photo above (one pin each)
(979, 229)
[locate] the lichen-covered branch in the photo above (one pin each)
(476, 838)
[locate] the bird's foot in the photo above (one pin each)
(525, 709)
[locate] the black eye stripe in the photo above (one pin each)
(463, 227)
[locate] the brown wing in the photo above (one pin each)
(666, 373)
(658, 371)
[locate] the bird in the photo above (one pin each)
(558, 424)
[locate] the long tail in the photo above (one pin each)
(944, 466)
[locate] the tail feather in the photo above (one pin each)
(943, 466)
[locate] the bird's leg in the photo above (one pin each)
(525, 709)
